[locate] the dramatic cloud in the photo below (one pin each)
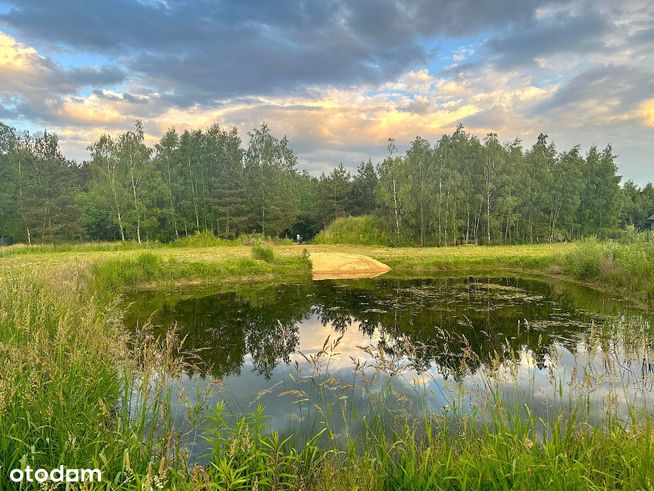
(562, 33)
(33, 86)
(339, 77)
(201, 51)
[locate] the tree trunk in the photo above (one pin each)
(136, 204)
(193, 194)
(172, 203)
(395, 209)
(422, 224)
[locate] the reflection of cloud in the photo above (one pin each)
(313, 336)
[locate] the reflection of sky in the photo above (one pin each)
(614, 382)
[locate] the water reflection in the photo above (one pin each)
(268, 344)
(432, 319)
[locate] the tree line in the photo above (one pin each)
(459, 189)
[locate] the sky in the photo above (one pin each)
(338, 77)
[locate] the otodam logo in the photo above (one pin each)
(59, 474)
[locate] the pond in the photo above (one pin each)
(329, 352)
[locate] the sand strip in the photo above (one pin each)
(336, 265)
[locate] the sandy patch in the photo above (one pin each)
(336, 265)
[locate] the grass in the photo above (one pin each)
(70, 390)
(198, 240)
(146, 269)
(77, 389)
(263, 253)
(360, 230)
(515, 453)
(625, 267)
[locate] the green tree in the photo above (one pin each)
(362, 191)
(335, 193)
(390, 178)
(270, 171)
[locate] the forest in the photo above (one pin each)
(459, 189)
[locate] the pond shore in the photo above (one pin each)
(207, 266)
(404, 260)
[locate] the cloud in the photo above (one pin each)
(338, 77)
(602, 93)
(646, 112)
(583, 33)
(35, 85)
(199, 52)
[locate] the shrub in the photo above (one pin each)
(263, 253)
(626, 265)
(586, 260)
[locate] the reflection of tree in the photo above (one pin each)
(222, 329)
(455, 326)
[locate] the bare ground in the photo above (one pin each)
(337, 265)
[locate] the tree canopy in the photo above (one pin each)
(458, 189)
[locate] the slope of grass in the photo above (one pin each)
(359, 230)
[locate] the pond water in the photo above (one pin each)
(328, 350)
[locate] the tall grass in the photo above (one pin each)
(516, 453)
(197, 240)
(24, 249)
(624, 265)
(71, 392)
(203, 239)
(263, 253)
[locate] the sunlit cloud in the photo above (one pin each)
(646, 112)
(14, 56)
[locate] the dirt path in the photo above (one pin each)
(336, 265)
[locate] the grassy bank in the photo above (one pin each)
(628, 268)
(152, 270)
(77, 389)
